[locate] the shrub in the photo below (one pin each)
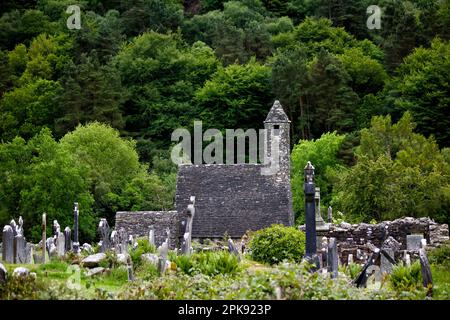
(440, 255)
(406, 278)
(277, 243)
(143, 246)
(209, 263)
(21, 288)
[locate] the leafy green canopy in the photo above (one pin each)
(398, 173)
(323, 154)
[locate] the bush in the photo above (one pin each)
(143, 246)
(21, 288)
(277, 243)
(404, 278)
(440, 255)
(208, 263)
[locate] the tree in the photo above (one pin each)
(108, 161)
(161, 74)
(323, 154)
(237, 96)
(91, 93)
(398, 173)
(36, 177)
(26, 110)
(421, 87)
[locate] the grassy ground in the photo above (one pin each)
(252, 276)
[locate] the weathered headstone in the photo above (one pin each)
(361, 280)
(232, 249)
(104, 231)
(350, 259)
(76, 244)
(67, 239)
(190, 213)
(29, 254)
(408, 260)
(3, 274)
(168, 237)
(423, 243)
(319, 221)
(413, 241)
(163, 252)
(60, 244)
(130, 269)
(56, 228)
(332, 258)
(330, 215)
(44, 236)
(426, 272)
(387, 259)
(151, 235)
(8, 244)
(310, 211)
(324, 252)
(19, 249)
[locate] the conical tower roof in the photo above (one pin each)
(276, 114)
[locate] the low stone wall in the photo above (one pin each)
(356, 239)
(138, 224)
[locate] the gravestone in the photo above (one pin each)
(56, 228)
(104, 231)
(19, 249)
(413, 241)
(60, 244)
(187, 237)
(350, 259)
(51, 247)
(3, 274)
(163, 251)
(8, 244)
(324, 252)
(426, 272)
(332, 258)
(44, 236)
(310, 211)
(168, 236)
(130, 269)
(408, 260)
(67, 239)
(151, 235)
(232, 249)
(76, 243)
(330, 215)
(423, 243)
(29, 254)
(361, 280)
(386, 264)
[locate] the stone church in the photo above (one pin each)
(229, 198)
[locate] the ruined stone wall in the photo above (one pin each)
(138, 224)
(356, 239)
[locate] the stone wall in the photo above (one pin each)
(138, 224)
(357, 239)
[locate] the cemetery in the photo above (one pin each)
(238, 250)
(296, 265)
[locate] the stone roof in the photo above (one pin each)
(232, 198)
(276, 114)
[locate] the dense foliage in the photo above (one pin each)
(86, 114)
(276, 244)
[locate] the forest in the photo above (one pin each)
(86, 114)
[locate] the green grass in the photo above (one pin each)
(441, 282)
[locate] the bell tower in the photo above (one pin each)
(277, 139)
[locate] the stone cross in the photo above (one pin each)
(426, 272)
(310, 221)
(232, 249)
(330, 215)
(67, 239)
(151, 235)
(76, 243)
(13, 227)
(319, 221)
(8, 244)
(103, 229)
(20, 226)
(44, 235)
(60, 244)
(332, 258)
(187, 237)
